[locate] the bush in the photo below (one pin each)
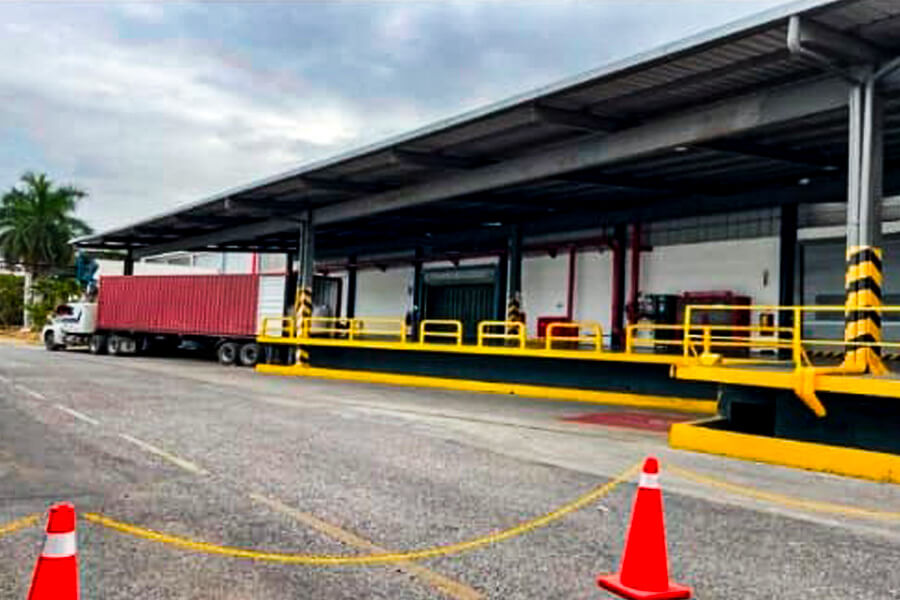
(11, 290)
(50, 292)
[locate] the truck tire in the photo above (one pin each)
(50, 342)
(249, 354)
(227, 353)
(97, 344)
(114, 345)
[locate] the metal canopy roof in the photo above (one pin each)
(726, 120)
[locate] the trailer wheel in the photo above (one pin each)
(227, 353)
(249, 354)
(114, 345)
(50, 342)
(97, 344)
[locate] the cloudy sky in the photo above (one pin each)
(148, 105)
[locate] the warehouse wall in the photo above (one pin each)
(383, 293)
(748, 267)
(744, 266)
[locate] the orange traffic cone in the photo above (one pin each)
(644, 574)
(56, 573)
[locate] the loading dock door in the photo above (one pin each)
(469, 303)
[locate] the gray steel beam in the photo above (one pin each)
(805, 35)
(341, 185)
(433, 160)
(726, 118)
(213, 238)
(574, 119)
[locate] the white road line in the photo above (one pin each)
(184, 464)
(5, 379)
(30, 392)
(78, 415)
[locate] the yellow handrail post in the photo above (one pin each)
(797, 337)
(687, 331)
(707, 340)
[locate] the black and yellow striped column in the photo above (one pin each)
(514, 309)
(303, 310)
(862, 317)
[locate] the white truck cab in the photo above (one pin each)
(72, 324)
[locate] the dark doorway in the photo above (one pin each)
(327, 295)
(466, 302)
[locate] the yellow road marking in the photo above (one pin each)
(370, 559)
(13, 526)
(450, 587)
(811, 505)
(184, 464)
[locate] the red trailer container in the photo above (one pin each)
(201, 305)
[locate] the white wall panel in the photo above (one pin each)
(544, 288)
(271, 297)
(383, 293)
(593, 288)
(748, 267)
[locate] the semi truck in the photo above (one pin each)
(147, 313)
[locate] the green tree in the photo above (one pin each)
(36, 225)
(50, 293)
(10, 300)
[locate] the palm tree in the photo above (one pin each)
(36, 225)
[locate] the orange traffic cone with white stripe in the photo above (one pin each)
(644, 574)
(56, 573)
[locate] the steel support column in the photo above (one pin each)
(500, 287)
(570, 282)
(351, 288)
(514, 276)
(864, 256)
(617, 313)
(128, 266)
(305, 273)
(290, 285)
(418, 296)
(787, 274)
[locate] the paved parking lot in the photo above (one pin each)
(294, 467)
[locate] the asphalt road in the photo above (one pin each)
(288, 465)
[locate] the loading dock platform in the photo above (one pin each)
(502, 360)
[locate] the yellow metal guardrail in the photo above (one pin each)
(285, 325)
(353, 329)
(512, 330)
(441, 328)
(595, 338)
(779, 337)
(380, 327)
